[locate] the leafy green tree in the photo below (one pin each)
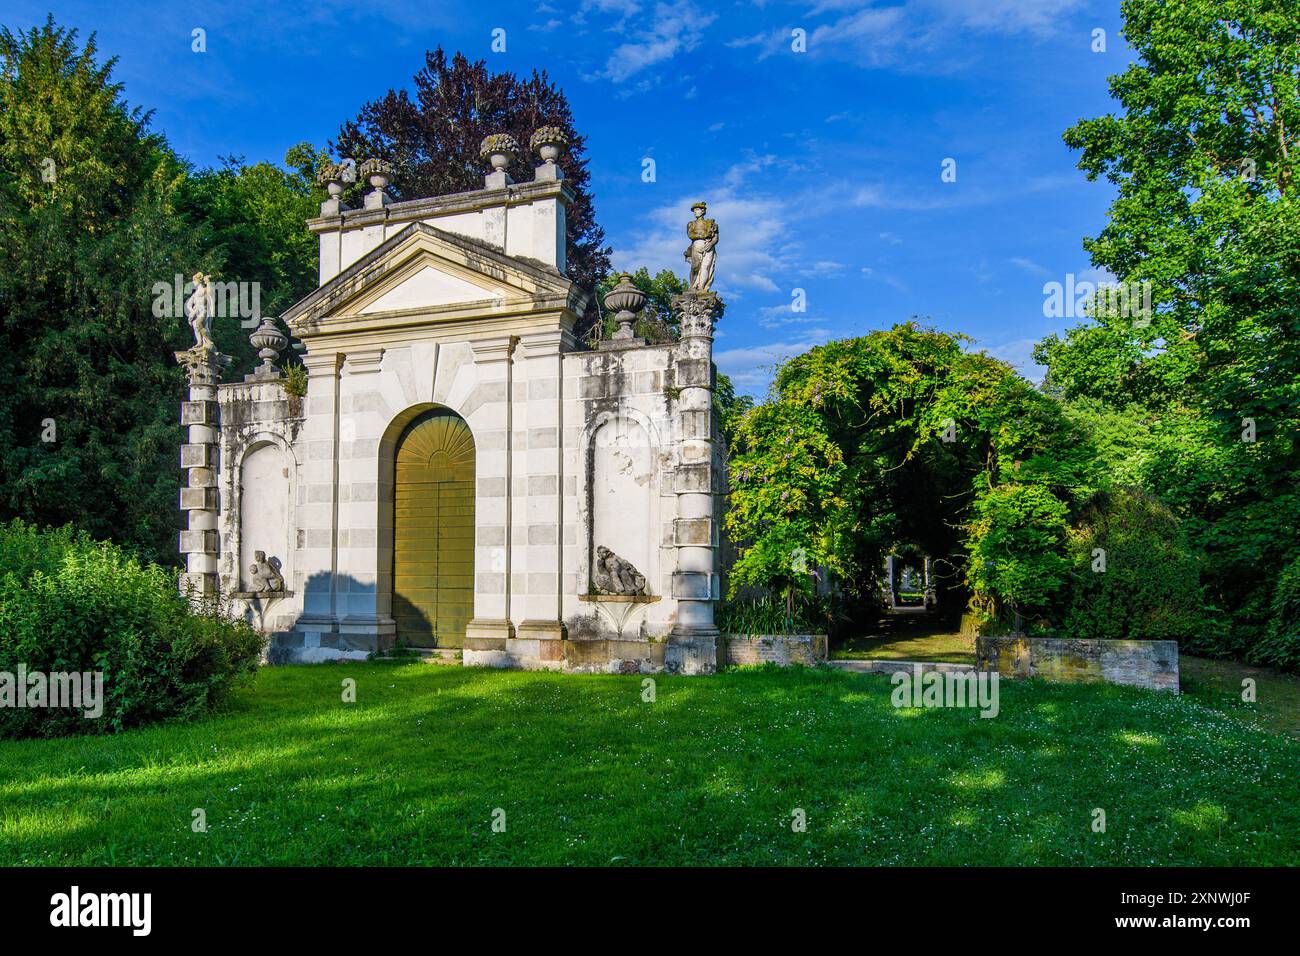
(902, 437)
(89, 390)
(253, 220)
(433, 134)
(1204, 156)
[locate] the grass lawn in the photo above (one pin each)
(709, 773)
(1219, 684)
(908, 636)
(1213, 682)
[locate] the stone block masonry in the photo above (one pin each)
(461, 475)
(1149, 664)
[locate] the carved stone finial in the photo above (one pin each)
(333, 176)
(379, 172)
(626, 301)
(549, 142)
(613, 575)
(269, 342)
(264, 573)
(499, 149)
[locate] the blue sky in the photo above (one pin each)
(822, 168)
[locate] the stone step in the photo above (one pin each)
(879, 666)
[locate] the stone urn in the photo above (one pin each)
(269, 342)
(500, 150)
(378, 171)
(549, 142)
(331, 177)
(625, 300)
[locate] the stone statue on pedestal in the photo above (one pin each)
(199, 308)
(701, 253)
(614, 575)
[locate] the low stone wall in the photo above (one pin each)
(783, 649)
(1149, 664)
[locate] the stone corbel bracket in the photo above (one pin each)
(619, 607)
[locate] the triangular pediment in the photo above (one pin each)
(427, 285)
(428, 274)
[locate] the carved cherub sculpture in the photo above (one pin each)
(265, 573)
(614, 575)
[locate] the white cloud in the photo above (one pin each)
(1019, 354)
(751, 368)
(674, 27)
(875, 36)
(1028, 265)
(884, 277)
(750, 230)
(778, 316)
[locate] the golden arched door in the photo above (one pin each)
(433, 531)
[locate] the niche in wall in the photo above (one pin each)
(264, 502)
(623, 499)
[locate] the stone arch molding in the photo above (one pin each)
(265, 501)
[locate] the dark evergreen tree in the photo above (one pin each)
(89, 389)
(433, 136)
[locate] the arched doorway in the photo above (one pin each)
(433, 531)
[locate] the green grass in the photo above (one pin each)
(587, 773)
(1212, 682)
(948, 647)
(1219, 684)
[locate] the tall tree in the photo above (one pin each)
(89, 389)
(433, 135)
(253, 221)
(1205, 154)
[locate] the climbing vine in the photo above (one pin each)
(906, 436)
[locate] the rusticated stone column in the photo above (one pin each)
(199, 458)
(694, 643)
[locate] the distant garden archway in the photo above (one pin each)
(904, 438)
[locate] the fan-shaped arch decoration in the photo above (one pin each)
(433, 531)
(437, 442)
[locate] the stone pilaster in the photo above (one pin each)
(539, 489)
(694, 642)
(200, 457)
(489, 631)
(318, 518)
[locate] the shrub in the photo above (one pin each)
(1150, 589)
(70, 604)
(775, 614)
(1017, 535)
(1280, 647)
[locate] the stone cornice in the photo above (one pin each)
(412, 210)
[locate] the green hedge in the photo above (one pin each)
(1150, 588)
(69, 604)
(1280, 647)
